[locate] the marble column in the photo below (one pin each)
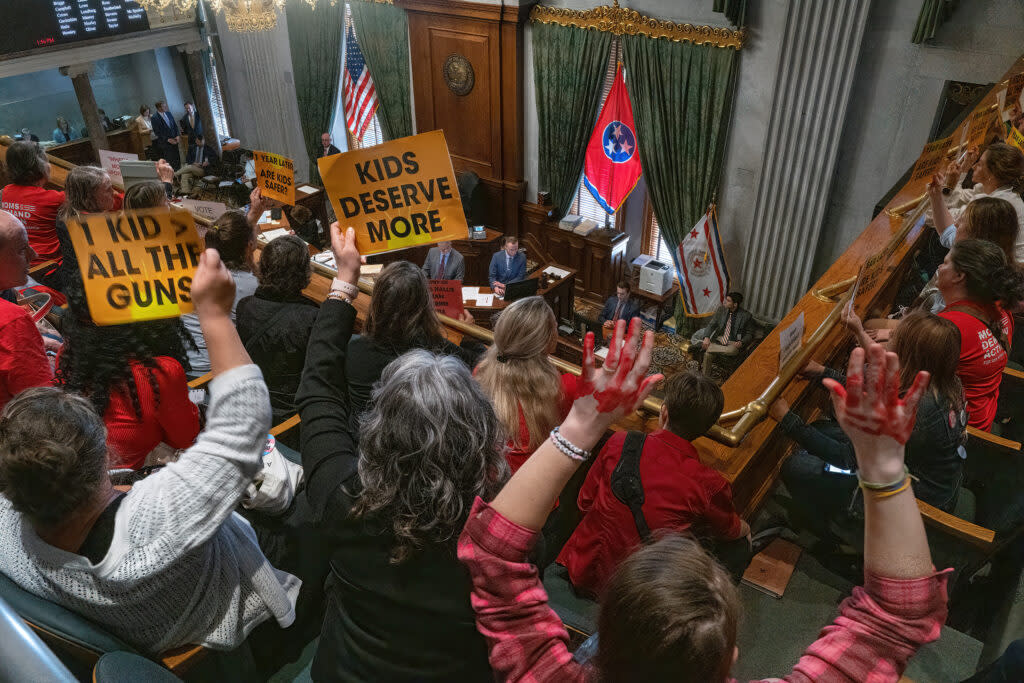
(821, 46)
(79, 75)
(197, 71)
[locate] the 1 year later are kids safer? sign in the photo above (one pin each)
(275, 176)
(137, 265)
(396, 195)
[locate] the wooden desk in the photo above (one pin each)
(559, 295)
(600, 259)
(81, 153)
(662, 312)
(476, 253)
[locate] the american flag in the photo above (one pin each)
(358, 93)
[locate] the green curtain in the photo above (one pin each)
(682, 101)
(314, 37)
(568, 69)
(383, 34)
(934, 13)
(734, 10)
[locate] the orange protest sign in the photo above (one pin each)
(931, 159)
(275, 176)
(137, 265)
(396, 195)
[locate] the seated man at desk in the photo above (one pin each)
(619, 307)
(197, 163)
(444, 263)
(508, 265)
(731, 328)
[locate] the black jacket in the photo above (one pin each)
(367, 359)
(932, 452)
(385, 622)
(275, 332)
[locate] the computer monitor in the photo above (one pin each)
(135, 172)
(521, 289)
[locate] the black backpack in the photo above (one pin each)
(626, 483)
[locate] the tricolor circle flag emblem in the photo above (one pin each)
(619, 142)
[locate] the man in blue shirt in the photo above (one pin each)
(508, 265)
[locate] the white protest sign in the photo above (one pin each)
(789, 340)
(208, 210)
(111, 163)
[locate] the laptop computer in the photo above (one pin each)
(521, 289)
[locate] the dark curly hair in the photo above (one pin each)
(95, 359)
(284, 268)
(53, 454)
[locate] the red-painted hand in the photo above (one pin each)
(620, 385)
(870, 407)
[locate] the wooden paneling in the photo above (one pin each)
(599, 259)
(484, 128)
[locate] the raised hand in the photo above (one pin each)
(346, 255)
(213, 288)
(164, 172)
(871, 412)
(604, 395)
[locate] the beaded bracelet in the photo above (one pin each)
(567, 447)
(338, 295)
(884, 488)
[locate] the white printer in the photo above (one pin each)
(655, 277)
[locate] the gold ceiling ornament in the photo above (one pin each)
(161, 5)
(248, 16)
(621, 21)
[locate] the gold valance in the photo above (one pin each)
(622, 21)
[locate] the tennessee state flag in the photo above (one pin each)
(703, 275)
(613, 165)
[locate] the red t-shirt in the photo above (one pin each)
(23, 361)
(174, 420)
(517, 456)
(982, 360)
(36, 207)
(679, 491)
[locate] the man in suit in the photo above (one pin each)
(444, 263)
(191, 124)
(327, 147)
(508, 265)
(619, 307)
(198, 161)
(731, 328)
(167, 135)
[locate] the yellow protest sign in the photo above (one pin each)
(931, 159)
(396, 195)
(1015, 138)
(275, 176)
(137, 265)
(980, 124)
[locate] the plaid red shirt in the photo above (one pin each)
(877, 631)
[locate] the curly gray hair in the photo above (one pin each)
(429, 445)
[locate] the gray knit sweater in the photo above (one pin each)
(182, 568)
